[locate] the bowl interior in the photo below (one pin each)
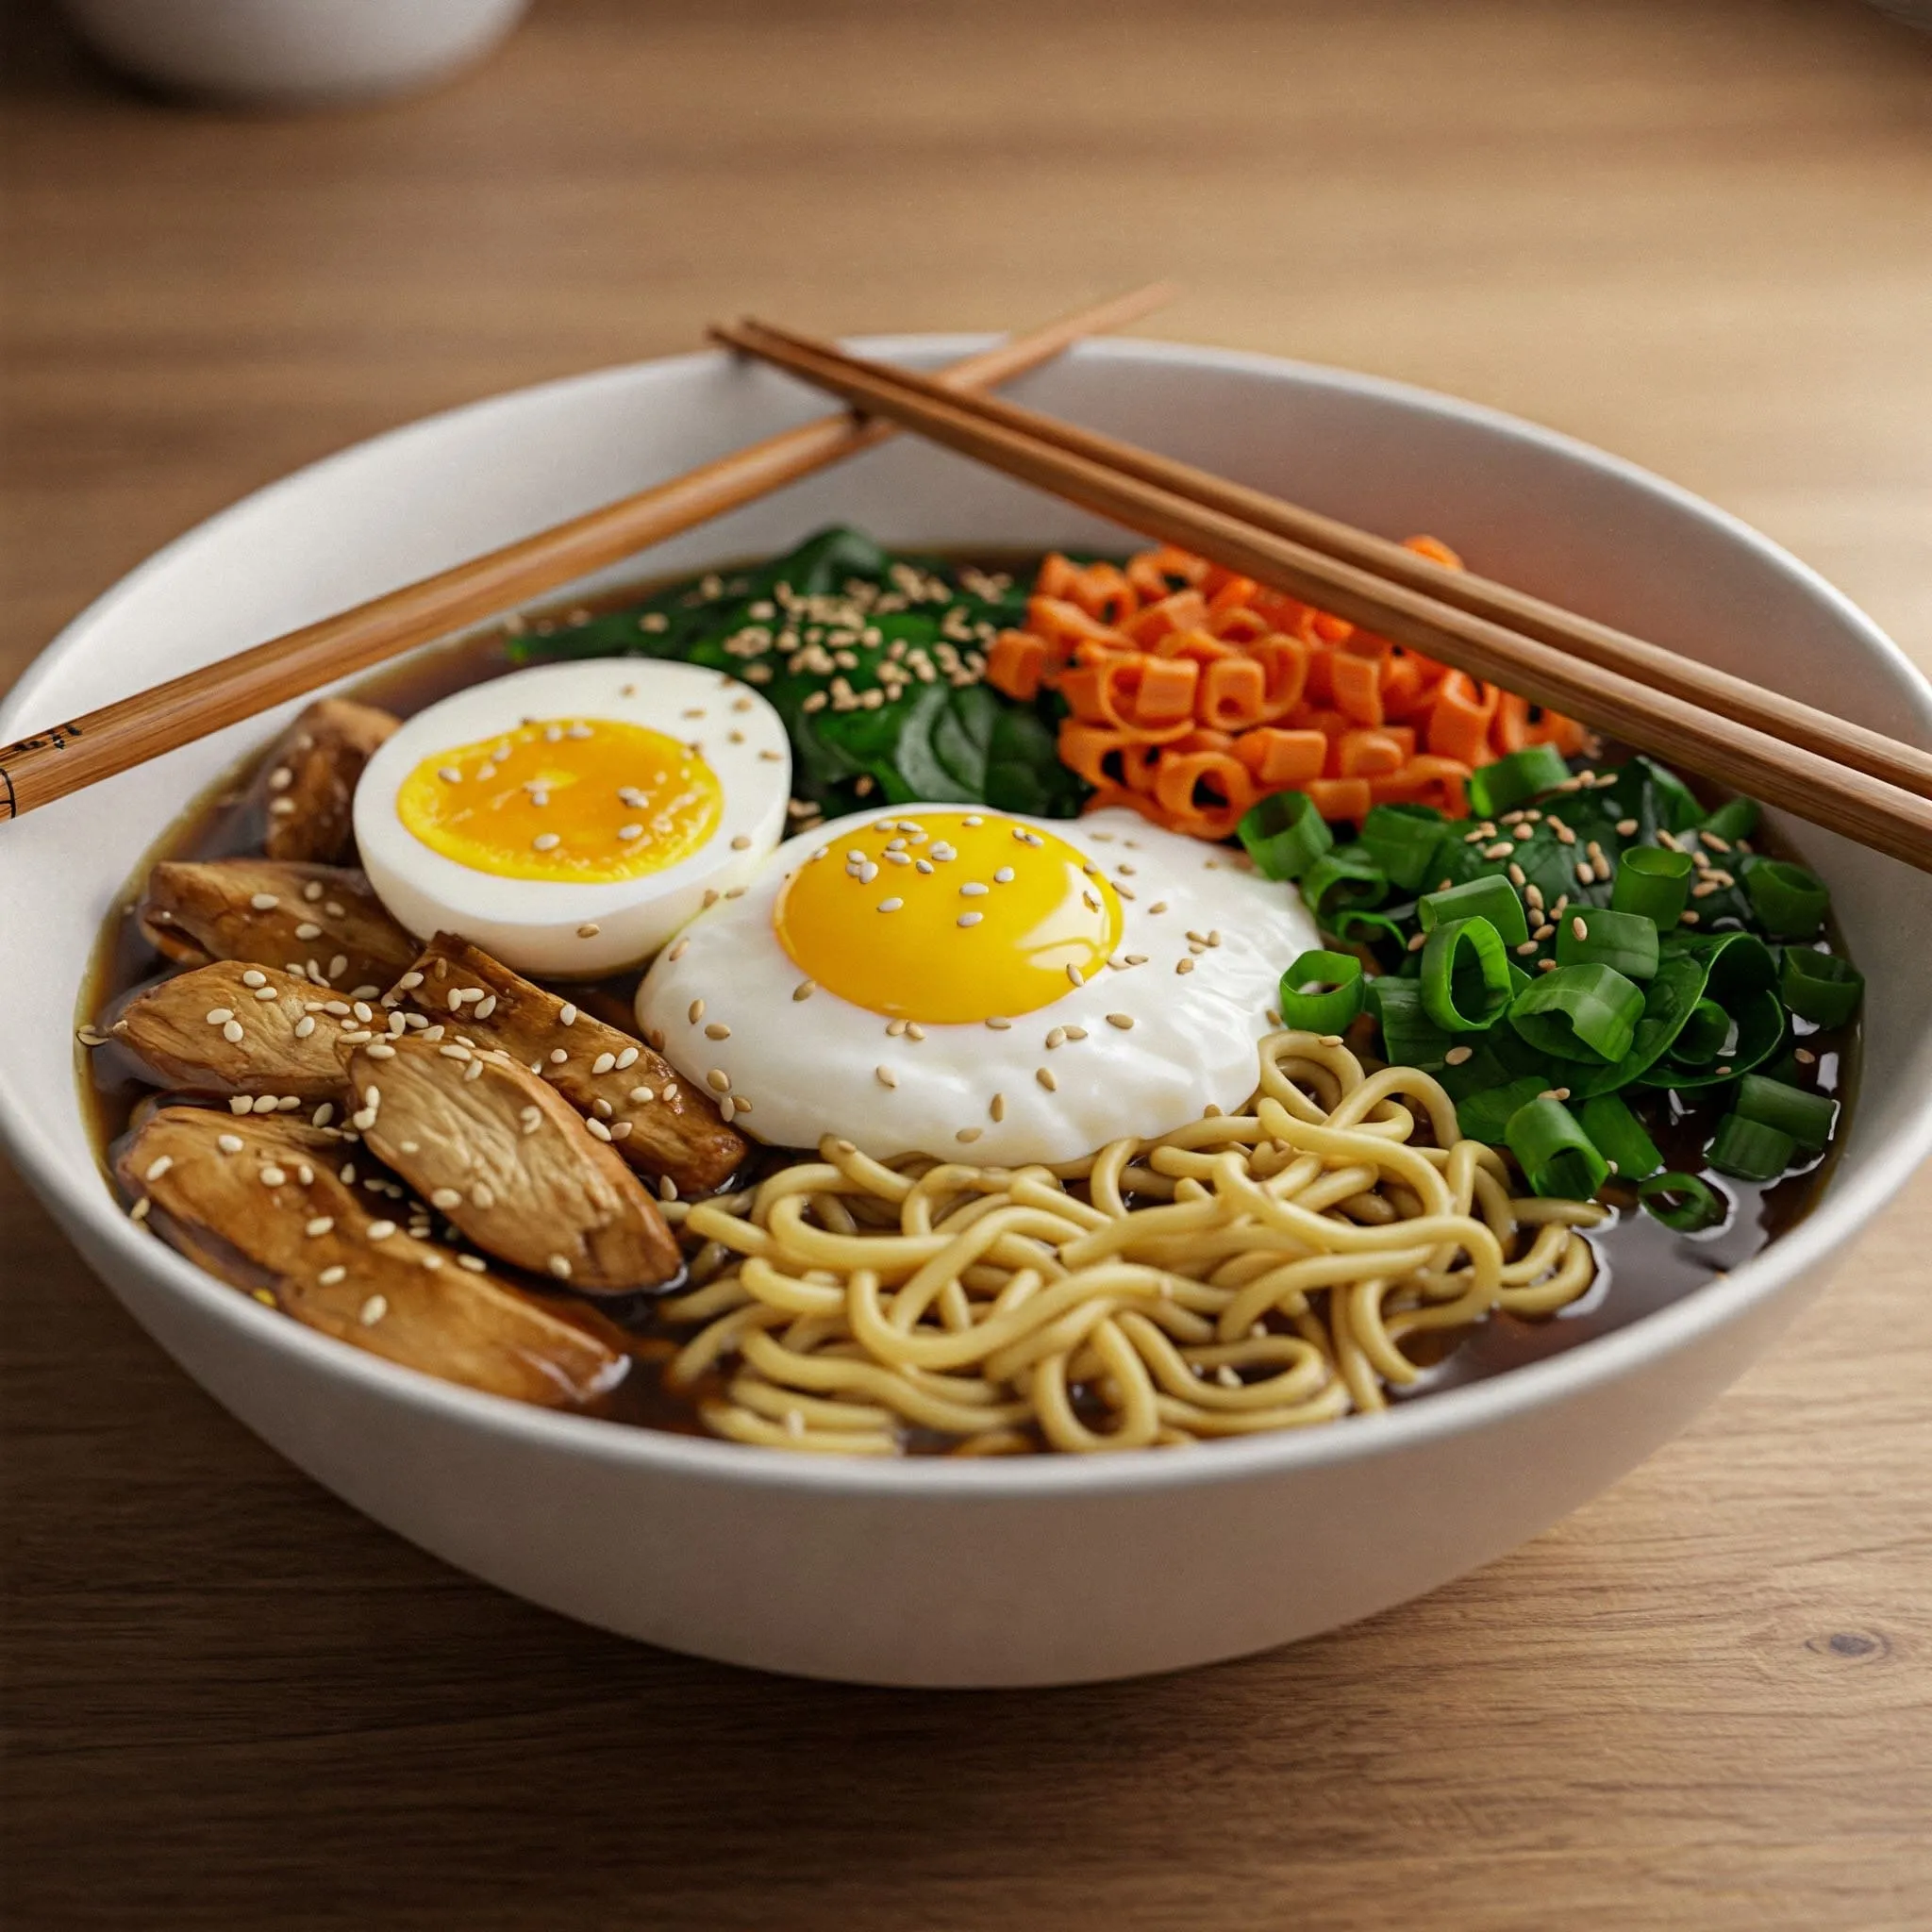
(1520, 504)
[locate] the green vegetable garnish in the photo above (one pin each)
(1749, 1149)
(1618, 1135)
(1465, 976)
(1737, 818)
(1510, 781)
(1804, 1118)
(1409, 1037)
(1284, 834)
(1402, 839)
(1347, 877)
(1820, 986)
(1653, 883)
(1489, 898)
(1323, 992)
(1681, 1202)
(1596, 936)
(1557, 1157)
(1579, 1014)
(1485, 1116)
(1790, 901)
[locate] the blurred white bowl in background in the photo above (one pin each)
(298, 52)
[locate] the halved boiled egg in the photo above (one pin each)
(570, 818)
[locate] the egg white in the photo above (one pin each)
(803, 1068)
(564, 929)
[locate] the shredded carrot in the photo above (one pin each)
(1192, 691)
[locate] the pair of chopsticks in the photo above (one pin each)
(1859, 782)
(82, 751)
(1869, 787)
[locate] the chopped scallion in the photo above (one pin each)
(1579, 1014)
(1804, 1118)
(1820, 986)
(1652, 883)
(1749, 1149)
(1703, 1035)
(1618, 1135)
(1402, 839)
(1510, 781)
(1347, 877)
(1790, 901)
(1737, 818)
(1409, 1037)
(1465, 977)
(1682, 1202)
(1557, 1157)
(1321, 991)
(1284, 834)
(1488, 897)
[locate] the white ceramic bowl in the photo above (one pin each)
(295, 52)
(1026, 1572)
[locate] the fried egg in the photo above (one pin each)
(570, 818)
(975, 985)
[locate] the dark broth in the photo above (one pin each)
(1642, 1265)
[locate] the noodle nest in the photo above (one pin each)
(1245, 1273)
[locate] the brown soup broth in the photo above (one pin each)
(1642, 1265)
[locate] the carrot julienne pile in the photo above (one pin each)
(1192, 691)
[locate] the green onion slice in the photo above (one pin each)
(1599, 935)
(1579, 1014)
(1676, 804)
(1682, 1202)
(1402, 839)
(1820, 986)
(1790, 901)
(1485, 1116)
(1618, 1135)
(1321, 991)
(1488, 897)
(1557, 1157)
(1465, 981)
(1409, 1037)
(1737, 818)
(1284, 834)
(1347, 877)
(1804, 1117)
(1652, 883)
(1749, 1149)
(1510, 781)
(1705, 1036)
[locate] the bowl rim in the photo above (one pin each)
(84, 1199)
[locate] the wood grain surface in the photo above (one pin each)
(1700, 234)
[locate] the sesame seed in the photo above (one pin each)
(1047, 1079)
(157, 1167)
(1545, 965)
(1501, 849)
(1626, 828)
(1579, 928)
(717, 1030)
(969, 918)
(264, 902)
(1528, 947)
(718, 1080)
(741, 843)
(885, 1077)
(381, 1230)
(997, 1107)
(254, 979)
(998, 1025)
(600, 1132)
(1586, 874)
(319, 1227)
(1184, 966)
(968, 1134)
(890, 905)
(1457, 1055)
(603, 1063)
(545, 842)
(973, 889)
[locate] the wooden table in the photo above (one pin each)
(1699, 234)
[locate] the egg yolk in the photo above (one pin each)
(948, 917)
(579, 800)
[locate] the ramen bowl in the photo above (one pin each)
(1031, 1570)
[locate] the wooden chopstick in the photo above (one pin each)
(1812, 784)
(1577, 636)
(79, 752)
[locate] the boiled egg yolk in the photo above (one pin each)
(582, 801)
(948, 917)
